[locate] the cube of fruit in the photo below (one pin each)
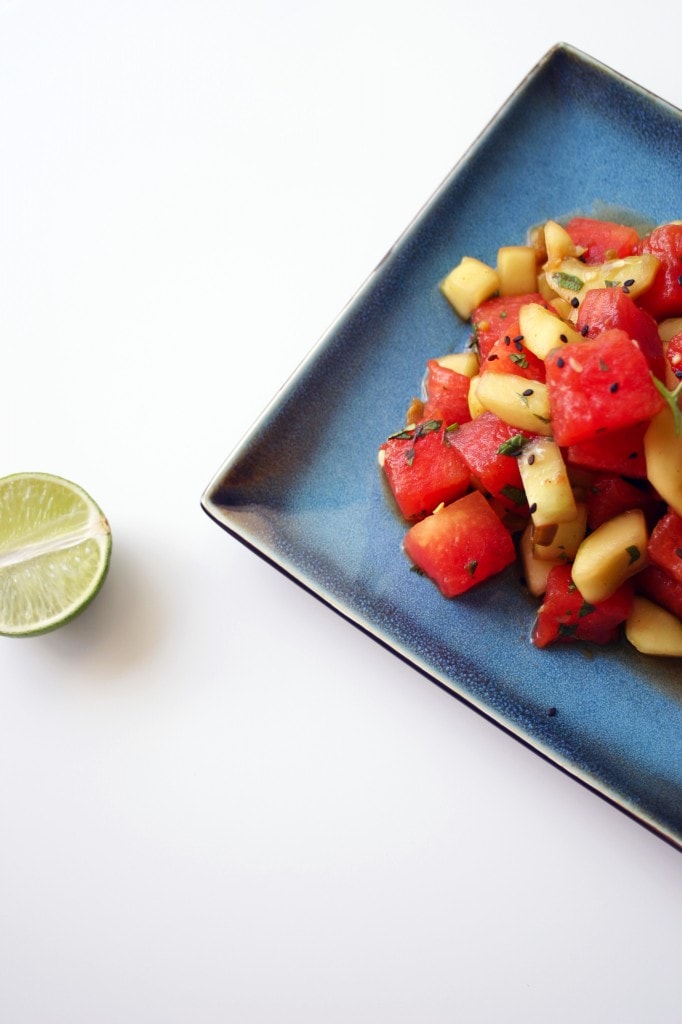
(663, 450)
(542, 330)
(546, 484)
(516, 400)
(422, 469)
(460, 545)
(611, 554)
(653, 630)
(469, 284)
(516, 269)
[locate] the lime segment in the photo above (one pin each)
(55, 545)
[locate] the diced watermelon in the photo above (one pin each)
(602, 239)
(566, 616)
(605, 308)
(600, 384)
(665, 544)
(461, 545)
(423, 468)
(447, 394)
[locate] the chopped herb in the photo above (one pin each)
(566, 630)
(413, 435)
(472, 566)
(504, 314)
(519, 360)
(585, 609)
(513, 446)
(453, 426)
(571, 586)
(602, 365)
(634, 553)
(515, 494)
(543, 419)
(419, 571)
(568, 281)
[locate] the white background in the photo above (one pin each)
(218, 801)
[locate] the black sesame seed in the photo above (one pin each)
(493, 357)
(531, 459)
(527, 393)
(507, 339)
(561, 362)
(679, 280)
(633, 455)
(585, 331)
(519, 337)
(551, 712)
(562, 337)
(614, 387)
(626, 291)
(678, 374)
(533, 508)
(518, 346)
(575, 302)
(629, 283)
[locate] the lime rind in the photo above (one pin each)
(55, 548)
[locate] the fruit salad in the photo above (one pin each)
(556, 437)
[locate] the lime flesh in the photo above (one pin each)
(55, 545)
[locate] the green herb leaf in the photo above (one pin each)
(514, 494)
(519, 359)
(585, 609)
(568, 281)
(513, 446)
(402, 435)
(611, 284)
(634, 553)
(602, 365)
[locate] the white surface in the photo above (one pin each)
(218, 801)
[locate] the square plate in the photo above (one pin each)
(303, 489)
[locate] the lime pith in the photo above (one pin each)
(55, 546)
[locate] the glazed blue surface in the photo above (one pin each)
(305, 492)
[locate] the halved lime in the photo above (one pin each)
(55, 546)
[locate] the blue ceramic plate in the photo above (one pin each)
(304, 491)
